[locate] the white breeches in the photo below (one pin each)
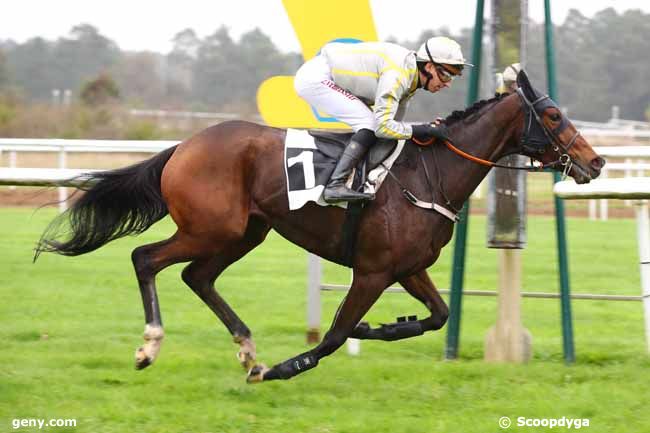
(313, 83)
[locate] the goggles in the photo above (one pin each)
(444, 75)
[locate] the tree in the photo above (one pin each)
(601, 61)
(186, 46)
(84, 54)
(4, 73)
(100, 91)
(180, 64)
(139, 78)
(227, 73)
(216, 70)
(30, 67)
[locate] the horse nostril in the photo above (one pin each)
(597, 163)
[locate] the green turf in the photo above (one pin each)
(69, 327)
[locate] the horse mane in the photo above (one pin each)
(459, 115)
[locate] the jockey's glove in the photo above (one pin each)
(427, 131)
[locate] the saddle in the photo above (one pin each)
(310, 159)
(332, 145)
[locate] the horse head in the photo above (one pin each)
(550, 137)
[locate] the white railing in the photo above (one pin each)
(62, 177)
(202, 115)
(183, 114)
(153, 146)
(634, 165)
(617, 132)
(58, 145)
(633, 188)
(63, 147)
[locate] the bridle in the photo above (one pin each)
(534, 140)
(537, 135)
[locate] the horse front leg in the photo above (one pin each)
(421, 287)
(363, 293)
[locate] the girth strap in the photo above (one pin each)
(423, 204)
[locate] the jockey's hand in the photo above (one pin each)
(424, 133)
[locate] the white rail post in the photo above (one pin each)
(592, 209)
(638, 189)
(640, 172)
(643, 236)
(603, 201)
(314, 276)
(354, 344)
(627, 173)
(63, 192)
(12, 162)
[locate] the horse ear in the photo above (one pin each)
(524, 84)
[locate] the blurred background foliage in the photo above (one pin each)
(602, 61)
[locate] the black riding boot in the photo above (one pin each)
(336, 190)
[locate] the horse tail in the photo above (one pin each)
(116, 203)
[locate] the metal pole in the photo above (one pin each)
(523, 36)
(315, 273)
(565, 292)
(458, 268)
(643, 238)
(507, 340)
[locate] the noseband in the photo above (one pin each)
(537, 135)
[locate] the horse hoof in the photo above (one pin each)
(141, 359)
(256, 374)
(246, 360)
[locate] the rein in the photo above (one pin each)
(531, 142)
(564, 158)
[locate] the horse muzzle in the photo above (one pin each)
(586, 174)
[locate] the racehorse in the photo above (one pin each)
(225, 189)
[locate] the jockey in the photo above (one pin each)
(344, 80)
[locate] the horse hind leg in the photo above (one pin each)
(421, 287)
(201, 274)
(364, 292)
(148, 261)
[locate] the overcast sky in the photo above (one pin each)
(150, 25)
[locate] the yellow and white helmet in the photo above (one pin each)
(442, 50)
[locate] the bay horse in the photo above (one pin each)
(225, 189)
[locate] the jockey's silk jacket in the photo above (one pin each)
(382, 75)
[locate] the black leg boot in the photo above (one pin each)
(336, 190)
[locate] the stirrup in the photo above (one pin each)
(336, 194)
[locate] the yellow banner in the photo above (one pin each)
(316, 23)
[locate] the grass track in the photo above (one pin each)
(69, 327)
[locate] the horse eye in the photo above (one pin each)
(555, 117)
